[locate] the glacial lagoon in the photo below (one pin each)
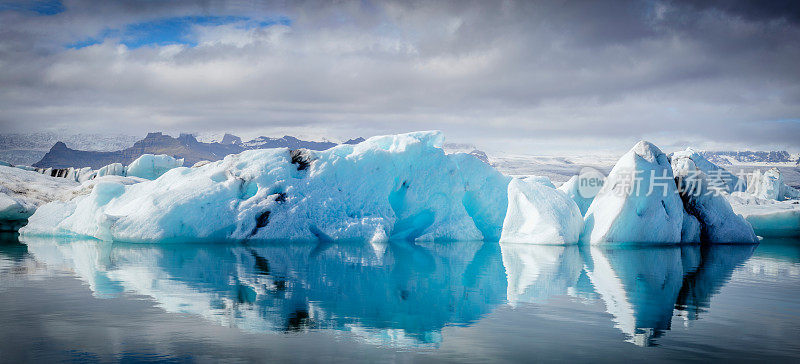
(87, 300)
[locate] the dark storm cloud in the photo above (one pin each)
(513, 75)
(750, 9)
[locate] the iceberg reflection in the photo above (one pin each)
(396, 293)
(776, 260)
(642, 287)
(536, 272)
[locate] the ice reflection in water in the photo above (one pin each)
(641, 287)
(399, 293)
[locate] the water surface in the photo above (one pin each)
(87, 300)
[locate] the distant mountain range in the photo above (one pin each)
(751, 158)
(90, 150)
(185, 146)
(28, 148)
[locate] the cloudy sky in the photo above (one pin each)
(522, 76)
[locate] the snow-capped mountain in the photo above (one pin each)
(762, 158)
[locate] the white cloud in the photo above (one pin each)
(521, 76)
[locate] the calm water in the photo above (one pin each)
(85, 300)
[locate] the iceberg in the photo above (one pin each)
(769, 218)
(388, 187)
(570, 188)
(715, 218)
(763, 205)
(544, 180)
(716, 176)
(150, 166)
(147, 166)
(113, 169)
(23, 191)
(690, 231)
(638, 202)
(769, 185)
(539, 214)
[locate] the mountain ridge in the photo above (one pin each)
(185, 146)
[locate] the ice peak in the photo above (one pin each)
(647, 150)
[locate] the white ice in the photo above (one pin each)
(150, 166)
(769, 218)
(769, 185)
(638, 202)
(540, 214)
(22, 191)
(717, 176)
(571, 189)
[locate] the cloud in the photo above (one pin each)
(523, 76)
